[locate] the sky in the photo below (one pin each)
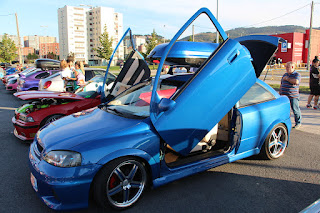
(39, 17)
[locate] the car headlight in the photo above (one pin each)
(29, 119)
(63, 158)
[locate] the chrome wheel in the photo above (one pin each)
(278, 141)
(126, 183)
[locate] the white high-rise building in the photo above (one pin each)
(72, 24)
(80, 28)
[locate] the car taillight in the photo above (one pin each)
(47, 84)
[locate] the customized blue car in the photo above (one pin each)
(151, 131)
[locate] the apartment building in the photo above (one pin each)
(14, 38)
(46, 48)
(97, 19)
(34, 41)
(72, 25)
(80, 28)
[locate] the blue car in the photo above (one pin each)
(152, 131)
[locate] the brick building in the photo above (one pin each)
(297, 46)
(46, 48)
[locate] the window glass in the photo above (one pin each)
(42, 75)
(256, 94)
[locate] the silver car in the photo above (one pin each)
(55, 82)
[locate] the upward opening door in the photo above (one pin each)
(133, 67)
(222, 79)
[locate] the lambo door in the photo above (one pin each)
(134, 67)
(227, 74)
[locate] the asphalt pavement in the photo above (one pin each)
(288, 184)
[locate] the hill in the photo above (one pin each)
(237, 32)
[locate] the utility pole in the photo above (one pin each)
(309, 43)
(217, 38)
(19, 41)
(192, 32)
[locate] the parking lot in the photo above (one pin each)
(288, 184)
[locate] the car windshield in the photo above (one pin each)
(135, 102)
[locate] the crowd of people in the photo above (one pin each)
(72, 72)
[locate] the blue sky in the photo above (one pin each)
(165, 16)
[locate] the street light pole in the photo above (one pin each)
(309, 43)
(217, 38)
(19, 41)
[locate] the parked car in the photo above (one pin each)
(10, 70)
(31, 80)
(165, 128)
(46, 106)
(12, 84)
(55, 82)
(17, 75)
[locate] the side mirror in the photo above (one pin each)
(166, 104)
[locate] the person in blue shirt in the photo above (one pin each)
(290, 88)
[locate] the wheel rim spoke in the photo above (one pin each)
(115, 190)
(279, 134)
(133, 172)
(120, 174)
(274, 134)
(126, 194)
(136, 184)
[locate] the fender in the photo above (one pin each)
(287, 123)
(154, 165)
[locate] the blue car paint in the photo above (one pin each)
(176, 128)
(183, 49)
(101, 137)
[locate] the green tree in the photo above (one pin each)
(152, 42)
(51, 55)
(32, 56)
(105, 50)
(7, 49)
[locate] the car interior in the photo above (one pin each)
(216, 142)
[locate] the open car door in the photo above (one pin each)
(184, 119)
(134, 67)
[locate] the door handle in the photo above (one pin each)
(233, 56)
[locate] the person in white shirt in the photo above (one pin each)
(65, 73)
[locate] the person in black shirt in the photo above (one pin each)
(314, 84)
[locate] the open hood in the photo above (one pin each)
(33, 95)
(134, 68)
(262, 48)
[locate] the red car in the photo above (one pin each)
(46, 107)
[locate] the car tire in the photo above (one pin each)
(275, 143)
(120, 183)
(51, 119)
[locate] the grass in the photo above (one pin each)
(302, 89)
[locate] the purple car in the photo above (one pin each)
(31, 80)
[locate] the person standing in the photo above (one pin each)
(65, 73)
(290, 88)
(314, 84)
(79, 76)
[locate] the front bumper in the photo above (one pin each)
(60, 188)
(23, 130)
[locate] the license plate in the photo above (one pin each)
(34, 182)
